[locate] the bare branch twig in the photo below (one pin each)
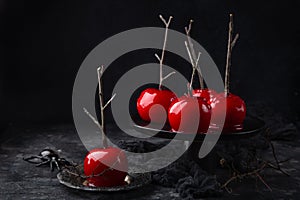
(100, 73)
(263, 181)
(234, 40)
(101, 126)
(230, 45)
(259, 167)
(193, 54)
(161, 58)
(188, 34)
(167, 76)
(189, 52)
(194, 65)
(240, 176)
(197, 60)
(278, 167)
(158, 58)
(92, 118)
(108, 102)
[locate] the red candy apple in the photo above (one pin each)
(108, 166)
(182, 114)
(233, 108)
(190, 114)
(103, 175)
(150, 97)
(227, 105)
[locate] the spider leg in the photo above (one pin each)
(57, 165)
(43, 163)
(31, 158)
(53, 160)
(64, 162)
(51, 165)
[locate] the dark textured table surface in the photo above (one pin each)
(20, 180)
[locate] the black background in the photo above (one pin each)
(43, 44)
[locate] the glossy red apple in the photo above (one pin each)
(182, 114)
(233, 108)
(150, 97)
(207, 94)
(103, 175)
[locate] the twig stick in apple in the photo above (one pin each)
(101, 126)
(92, 118)
(100, 73)
(193, 55)
(161, 58)
(194, 65)
(230, 46)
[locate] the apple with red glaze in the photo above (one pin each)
(182, 114)
(153, 96)
(230, 106)
(207, 94)
(227, 105)
(103, 175)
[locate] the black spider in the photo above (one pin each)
(48, 156)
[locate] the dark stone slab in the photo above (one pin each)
(19, 179)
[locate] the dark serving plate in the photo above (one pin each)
(251, 127)
(137, 180)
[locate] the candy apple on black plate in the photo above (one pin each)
(227, 103)
(235, 112)
(183, 111)
(191, 113)
(104, 175)
(107, 166)
(156, 96)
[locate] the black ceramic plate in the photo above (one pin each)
(136, 180)
(251, 127)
